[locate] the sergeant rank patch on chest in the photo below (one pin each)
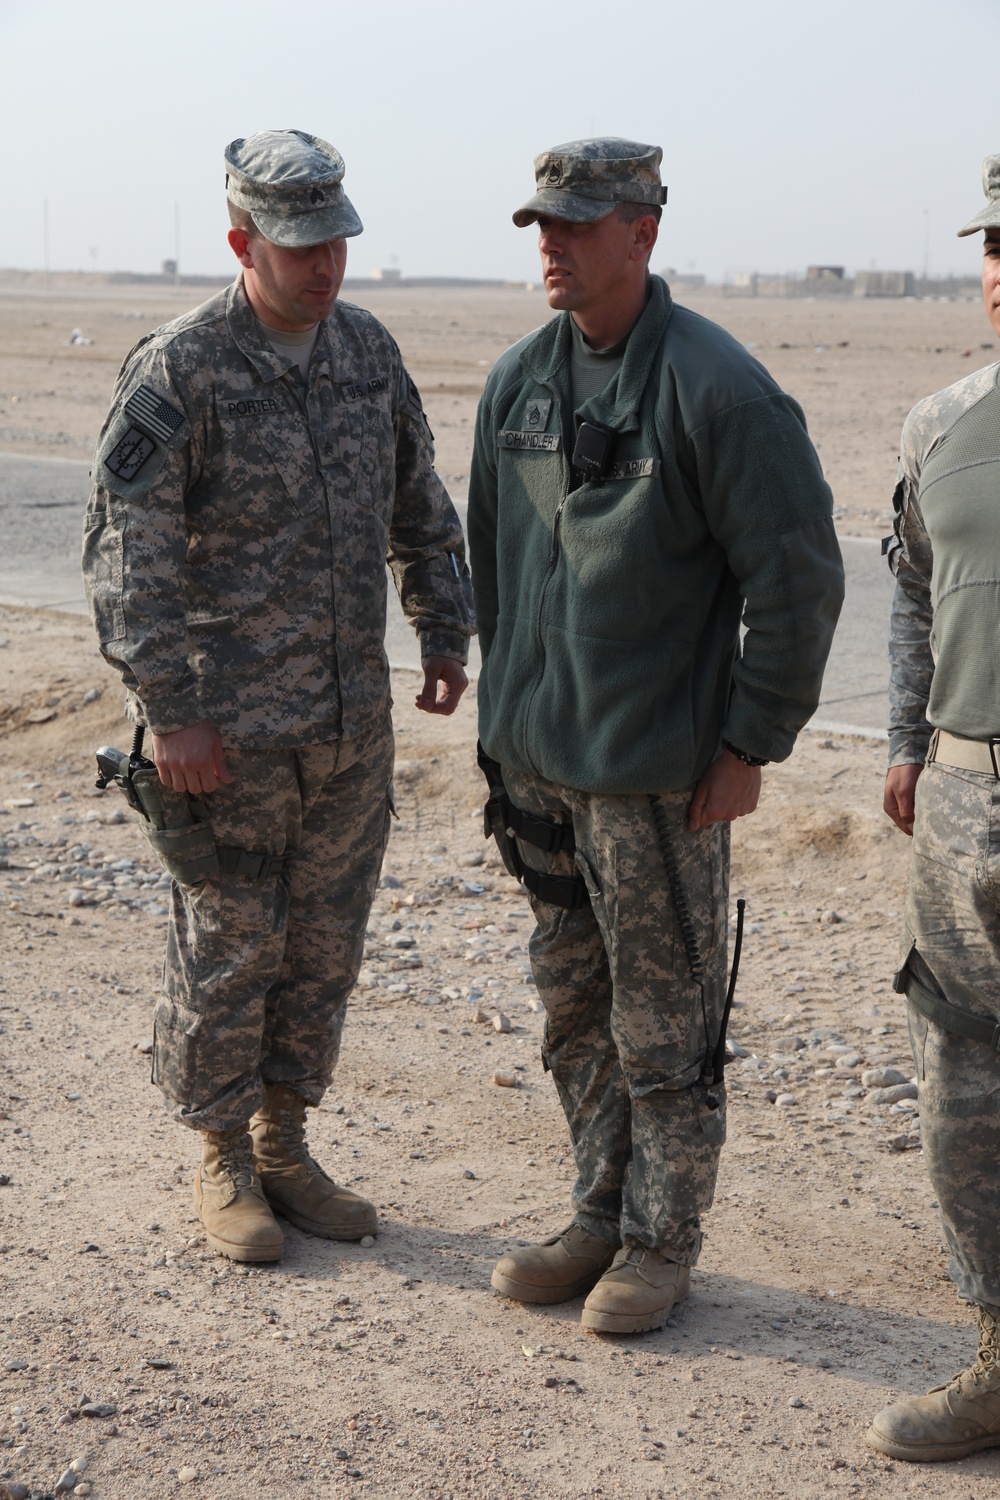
(536, 414)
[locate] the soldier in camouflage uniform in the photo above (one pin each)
(639, 485)
(263, 457)
(942, 788)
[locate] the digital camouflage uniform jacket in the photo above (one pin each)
(236, 540)
(945, 554)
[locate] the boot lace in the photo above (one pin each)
(236, 1160)
(989, 1344)
(987, 1366)
(289, 1121)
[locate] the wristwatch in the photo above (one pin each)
(748, 760)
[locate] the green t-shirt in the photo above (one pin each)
(592, 369)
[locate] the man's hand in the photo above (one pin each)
(897, 800)
(728, 790)
(191, 760)
(444, 683)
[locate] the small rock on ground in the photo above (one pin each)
(882, 1078)
(894, 1094)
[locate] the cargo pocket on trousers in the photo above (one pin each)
(907, 943)
(176, 1032)
(684, 1106)
(603, 899)
(711, 1118)
(916, 1022)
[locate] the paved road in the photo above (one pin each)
(42, 502)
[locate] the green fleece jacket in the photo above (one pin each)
(609, 614)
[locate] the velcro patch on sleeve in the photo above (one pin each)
(153, 414)
(129, 454)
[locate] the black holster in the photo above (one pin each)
(506, 824)
(496, 814)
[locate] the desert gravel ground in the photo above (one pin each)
(395, 1370)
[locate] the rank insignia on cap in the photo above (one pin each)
(129, 455)
(154, 415)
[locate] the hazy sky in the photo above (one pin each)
(792, 132)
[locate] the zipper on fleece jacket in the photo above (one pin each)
(553, 560)
(567, 477)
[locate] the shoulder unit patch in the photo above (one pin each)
(129, 454)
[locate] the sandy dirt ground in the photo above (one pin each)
(394, 1370)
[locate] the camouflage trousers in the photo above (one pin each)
(627, 1031)
(951, 946)
(258, 972)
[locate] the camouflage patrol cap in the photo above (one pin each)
(290, 184)
(584, 180)
(988, 217)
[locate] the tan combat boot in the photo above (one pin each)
(230, 1204)
(294, 1184)
(557, 1270)
(637, 1293)
(952, 1420)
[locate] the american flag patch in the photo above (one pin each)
(154, 415)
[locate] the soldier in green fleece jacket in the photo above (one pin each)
(639, 486)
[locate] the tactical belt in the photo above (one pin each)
(965, 755)
(234, 861)
(944, 1014)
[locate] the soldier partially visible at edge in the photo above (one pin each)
(942, 788)
(263, 457)
(639, 485)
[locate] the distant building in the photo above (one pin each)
(689, 279)
(884, 284)
(824, 273)
(388, 273)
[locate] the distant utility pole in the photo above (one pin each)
(45, 239)
(927, 245)
(177, 245)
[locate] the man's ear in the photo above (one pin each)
(646, 232)
(240, 243)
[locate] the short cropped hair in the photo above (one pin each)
(240, 218)
(630, 213)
